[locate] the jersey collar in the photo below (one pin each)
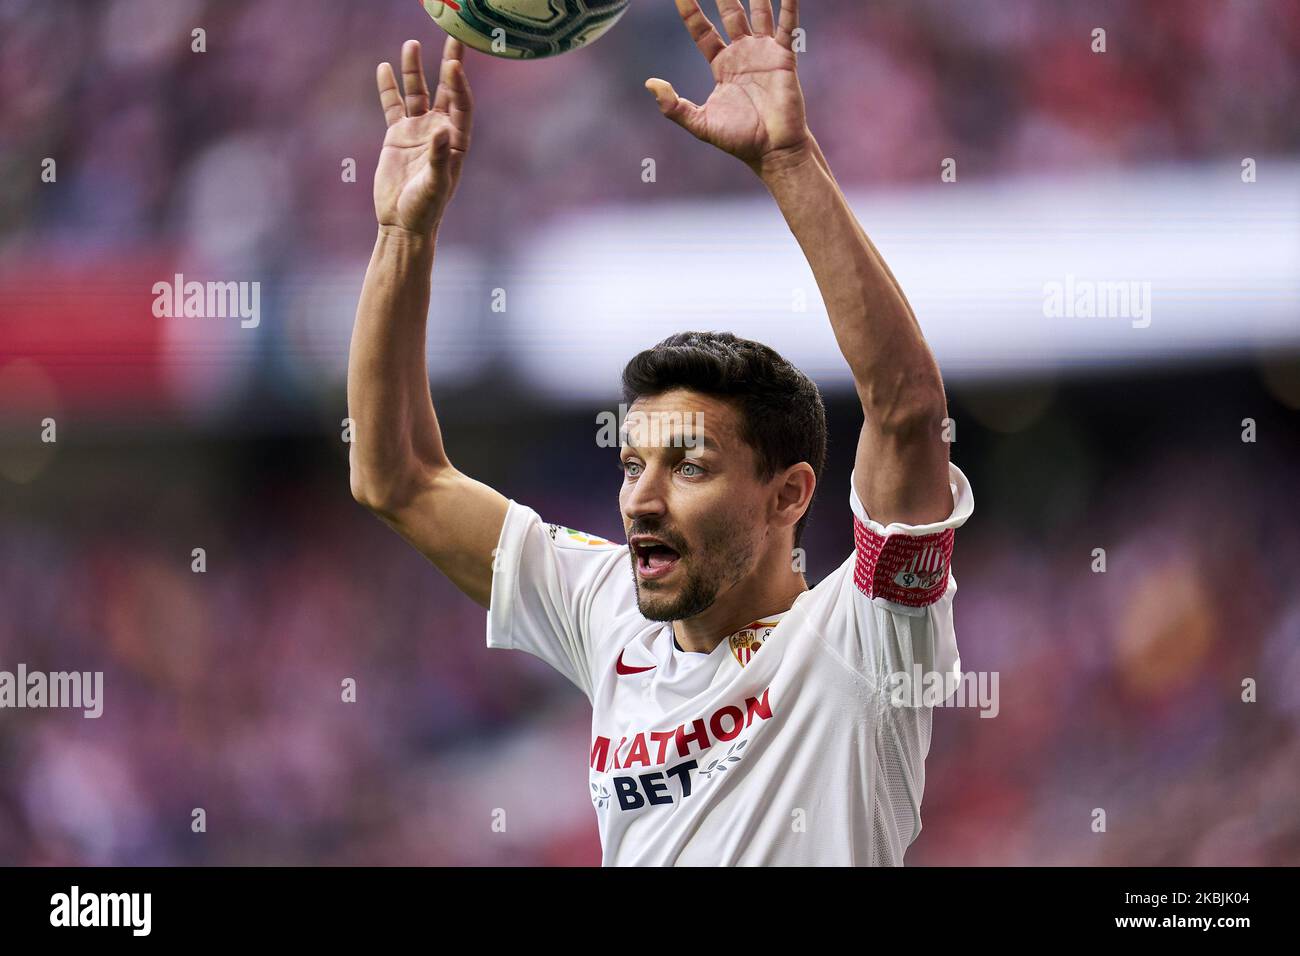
(746, 642)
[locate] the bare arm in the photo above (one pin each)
(756, 113)
(399, 468)
(902, 461)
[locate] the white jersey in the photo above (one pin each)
(782, 746)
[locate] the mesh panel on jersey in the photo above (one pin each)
(902, 741)
(883, 847)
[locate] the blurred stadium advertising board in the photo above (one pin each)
(1013, 278)
(1178, 264)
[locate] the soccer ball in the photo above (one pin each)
(526, 29)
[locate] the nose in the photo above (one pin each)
(646, 497)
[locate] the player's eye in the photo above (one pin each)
(697, 472)
(631, 468)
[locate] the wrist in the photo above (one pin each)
(782, 163)
(410, 237)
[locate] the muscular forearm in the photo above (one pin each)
(893, 368)
(821, 161)
(395, 432)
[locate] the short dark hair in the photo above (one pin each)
(782, 414)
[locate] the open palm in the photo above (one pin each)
(426, 143)
(756, 111)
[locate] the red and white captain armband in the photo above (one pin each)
(907, 570)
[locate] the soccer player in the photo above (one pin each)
(738, 717)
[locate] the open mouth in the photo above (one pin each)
(654, 559)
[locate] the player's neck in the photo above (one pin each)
(749, 601)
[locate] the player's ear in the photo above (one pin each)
(793, 489)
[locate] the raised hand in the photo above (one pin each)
(756, 112)
(425, 146)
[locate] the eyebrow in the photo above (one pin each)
(675, 441)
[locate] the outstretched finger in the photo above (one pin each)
(701, 29)
(413, 81)
(684, 113)
(460, 102)
(789, 23)
(760, 15)
(389, 98)
(734, 19)
(451, 50)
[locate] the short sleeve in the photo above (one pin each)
(903, 583)
(906, 568)
(552, 591)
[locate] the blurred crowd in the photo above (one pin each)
(1120, 690)
(236, 153)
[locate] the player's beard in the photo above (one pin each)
(724, 556)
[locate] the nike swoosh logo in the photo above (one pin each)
(623, 670)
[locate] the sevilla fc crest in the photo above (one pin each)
(748, 642)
